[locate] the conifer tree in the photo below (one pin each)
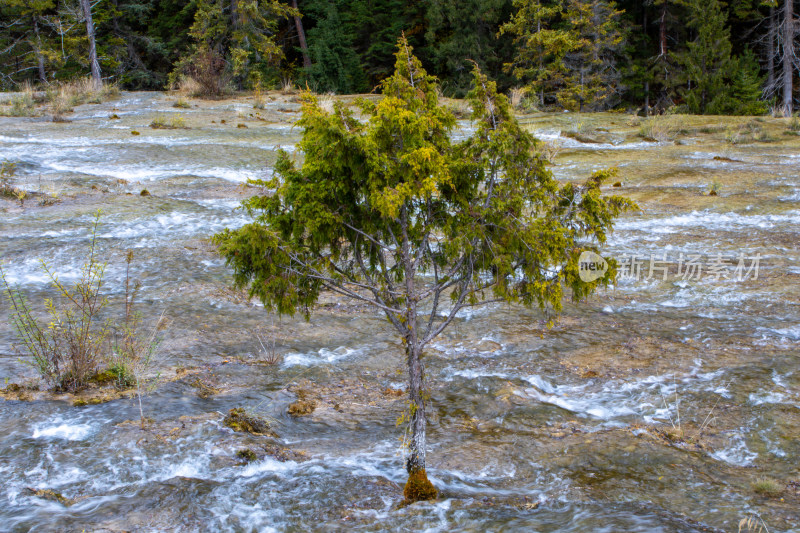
(335, 63)
(232, 37)
(461, 30)
(707, 59)
(594, 80)
(541, 46)
(388, 210)
(568, 49)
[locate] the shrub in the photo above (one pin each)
(767, 487)
(161, 123)
(71, 348)
(68, 350)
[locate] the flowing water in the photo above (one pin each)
(655, 406)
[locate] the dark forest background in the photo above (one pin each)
(706, 56)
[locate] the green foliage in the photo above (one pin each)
(743, 94)
(567, 51)
(335, 62)
(132, 350)
(707, 58)
(68, 349)
(231, 41)
(378, 203)
(461, 30)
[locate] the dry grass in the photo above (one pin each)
(23, 104)
(661, 128)
(288, 86)
(187, 86)
(767, 487)
(174, 123)
(516, 96)
(63, 97)
(754, 524)
(326, 102)
(181, 103)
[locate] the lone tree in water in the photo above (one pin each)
(390, 211)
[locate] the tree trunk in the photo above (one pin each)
(418, 486)
(662, 31)
(788, 55)
(771, 34)
(38, 51)
(302, 35)
(87, 14)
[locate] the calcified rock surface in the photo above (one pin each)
(656, 406)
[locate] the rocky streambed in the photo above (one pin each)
(670, 403)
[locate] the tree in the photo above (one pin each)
(707, 59)
(232, 37)
(391, 212)
(458, 30)
(570, 48)
(541, 45)
(94, 65)
(594, 80)
(336, 64)
(789, 56)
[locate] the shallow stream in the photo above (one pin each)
(655, 406)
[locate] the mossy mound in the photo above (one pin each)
(247, 455)
(50, 495)
(419, 488)
(304, 405)
(238, 420)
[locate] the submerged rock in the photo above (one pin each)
(50, 495)
(238, 420)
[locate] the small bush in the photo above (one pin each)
(516, 96)
(794, 124)
(23, 105)
(182, 104)
(206, 72)
(161, 123)
(767, 487)
(660, 128)
(68, 350)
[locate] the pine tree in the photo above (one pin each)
(542, 46)
(232, 39)
(462, 30)
(335, 62)
(594, 79)
(707, 58)
(743, 97)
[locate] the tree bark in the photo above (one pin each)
(95, 66)
(38, 51)
(771, 34)
(418, 486)
(302, 36)
(662, 31)
(788, 55)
